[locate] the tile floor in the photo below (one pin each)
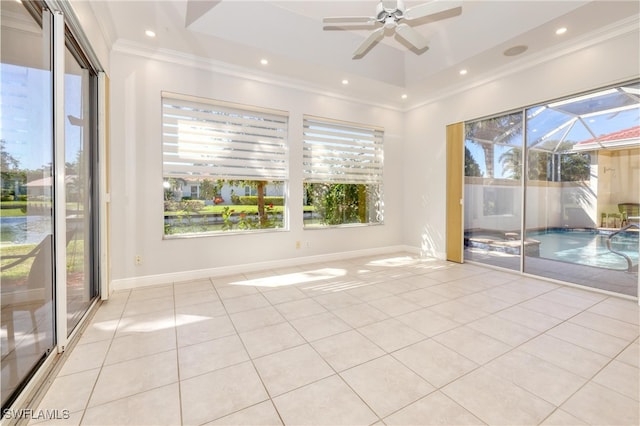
(381, 340)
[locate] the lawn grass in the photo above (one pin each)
(236, 208)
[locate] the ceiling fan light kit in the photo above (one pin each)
(391, 19)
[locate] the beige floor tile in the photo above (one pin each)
(245, 303)
(360, 315)
(386, 385)
(99, 330)
(70, 392)
(319, 326)
(292, 368)
(337, 300)
(528, 318)
(580, 361)
(497, 401)
(131, 377)
(271, 339)
(434, 409)
(346, 350)
(603, 324)
(562, 418)
(573, 297)
(283, 295)
(145, 306)
(326, 402)
(138, 345)
(211, 355)
(598, 405)
(472, 344)
(394, 305)
(233, 388)
(434, 362)
(262, 414)
(145, 323)
(484, 302)
(85, 357)
(541, 378)
(423, 297)
(506, 331)
(449, 291)
(428, 322)
(391, 334)
(159, 406)
(620, 377)
(368, 292)
(256, 318)
(204, 329)
(196, 297)
(458, 311)
(299, 309)
(551, 308)
(508, 294)
(620, 309)
(231, 291)
(587, 338)
(151, 292)
(631, 355)
(193, 286)
(208, 309)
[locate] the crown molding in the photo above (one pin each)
(618, 29)
(206, 64)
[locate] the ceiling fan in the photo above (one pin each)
(391, 19)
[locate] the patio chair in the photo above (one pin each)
(37, 281)
(630, 213)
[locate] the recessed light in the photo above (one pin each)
(463, 72)
(404, 96)
(150, 33)
(264, 61)
(345, 81)
(515, 50)
(561, 30)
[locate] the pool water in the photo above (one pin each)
(588, 247)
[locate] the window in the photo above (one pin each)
(342, 172)
(218, 147)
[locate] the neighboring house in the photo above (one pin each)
(191, 188)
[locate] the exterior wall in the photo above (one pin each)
(595, 65)
(136, 170)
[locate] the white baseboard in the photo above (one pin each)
(151, 280)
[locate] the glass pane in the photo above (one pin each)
(492, 191)
(330, 204)
(26, 204)
(81, 286)
(583, 190)
(198, 206)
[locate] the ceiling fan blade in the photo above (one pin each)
(348, 19)
(430, 8)
(412, 36)
(373, 37)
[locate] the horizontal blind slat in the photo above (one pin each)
(218, 141)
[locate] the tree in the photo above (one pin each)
(491, 131)
(471, 166)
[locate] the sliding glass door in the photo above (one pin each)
(493, 191)
(27, 203)
(577, 165)
(80, 105)
(48, 219)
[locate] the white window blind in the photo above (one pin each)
(340, 152)
(219, 140)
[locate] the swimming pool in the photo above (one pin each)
(587, 247)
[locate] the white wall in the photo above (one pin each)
(136, 172)
(592, 66)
